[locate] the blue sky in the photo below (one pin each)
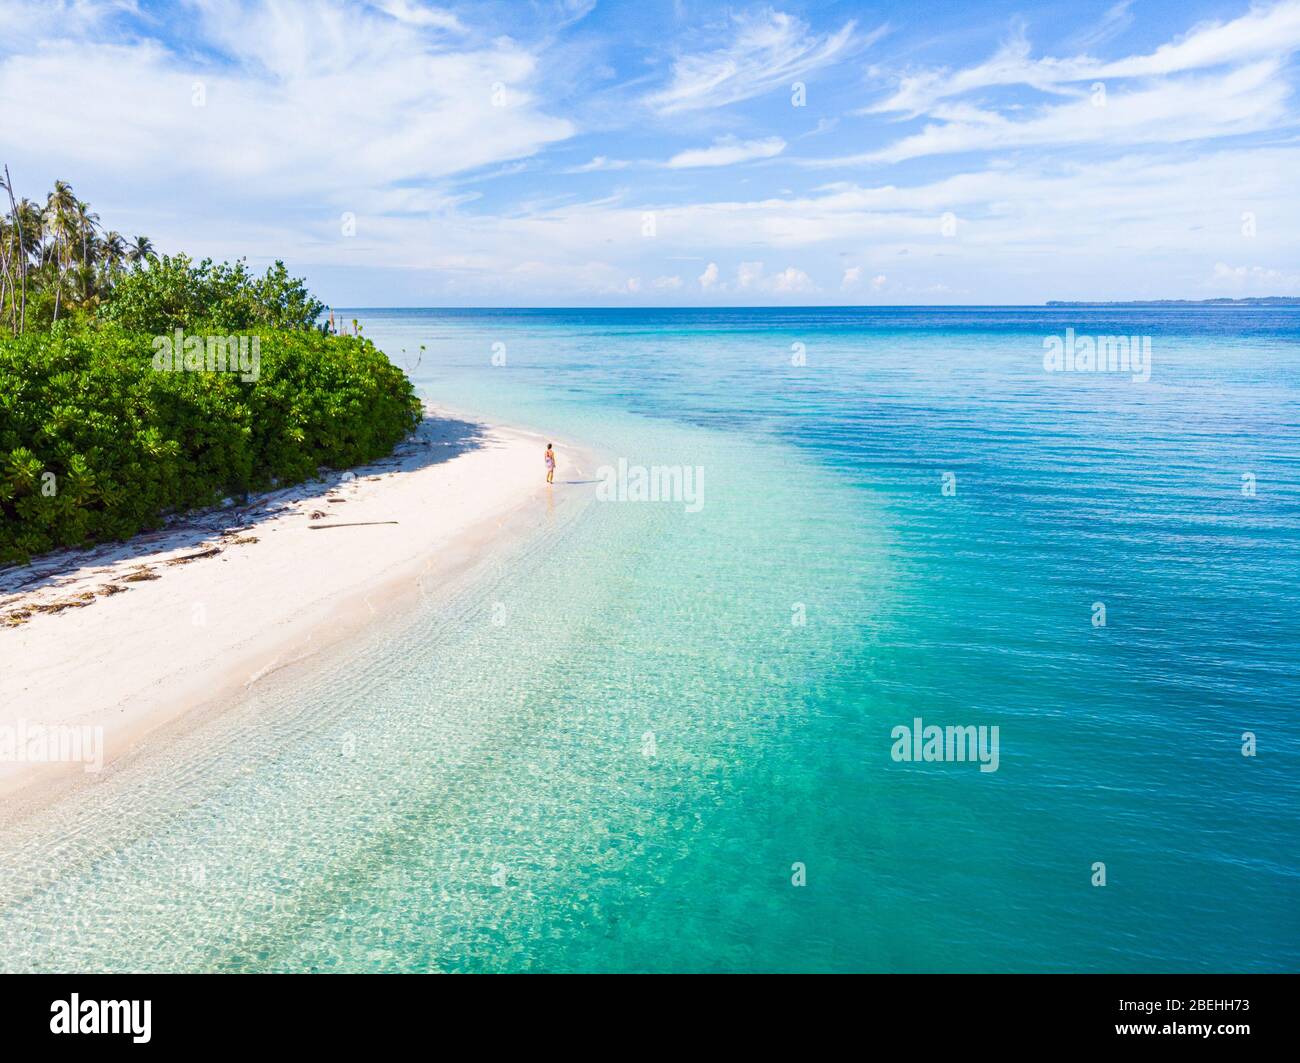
(586, 152)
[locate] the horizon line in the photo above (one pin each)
(1265, 302)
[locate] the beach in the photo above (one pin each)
(111, 645)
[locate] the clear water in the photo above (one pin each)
(624, 773)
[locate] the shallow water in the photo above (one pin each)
(615, 750)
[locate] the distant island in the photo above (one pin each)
(1265, 300)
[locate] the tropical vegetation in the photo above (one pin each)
(96, 443)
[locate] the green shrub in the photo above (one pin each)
(175, 293)
(127, 445)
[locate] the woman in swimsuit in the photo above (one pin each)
(550, 464)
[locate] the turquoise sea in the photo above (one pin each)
(619, 748)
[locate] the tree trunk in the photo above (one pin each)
(22, 251)
(58, 276)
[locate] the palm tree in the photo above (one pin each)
(60, 250)
(86, 222)
(9, 253)
(141, 251)
(62, 201)
(24, 229)
(113, 250)
(60, 211)
(28, 217)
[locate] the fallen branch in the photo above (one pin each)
(353, 524)
(186, 558)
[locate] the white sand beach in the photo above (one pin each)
(128, 637)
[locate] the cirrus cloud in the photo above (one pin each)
(727, 152)
(765, 50)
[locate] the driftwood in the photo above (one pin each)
(352, 524)
(185, 559)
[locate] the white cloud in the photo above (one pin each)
(303, 104)
(668, 284)
(1242, 100)
(1134, 220)
(792, 280)
(727, 152)
(1253, 278)
(750, 276)
(1114, 22)
(25, 21)
(600, 162)
(1264, 32)
(853, 277)
(417, 14)
(1137, 224)
(768, 49)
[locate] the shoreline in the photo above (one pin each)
(230, 596)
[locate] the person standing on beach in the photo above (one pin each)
(550, 464)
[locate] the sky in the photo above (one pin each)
(661, 153)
